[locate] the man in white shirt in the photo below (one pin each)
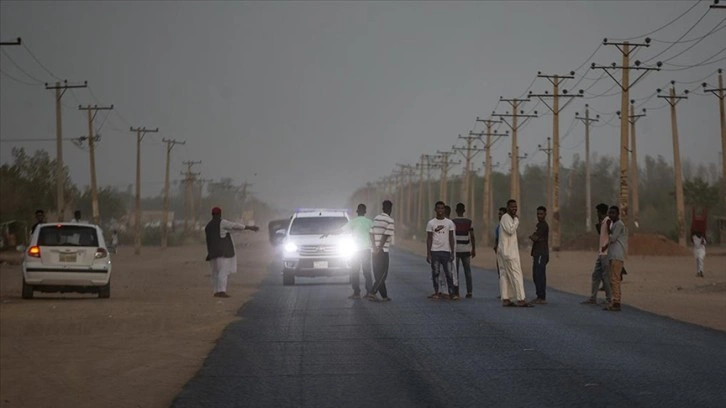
(440, 245)
(511, 282)
(381, 234)
(220, 250)
(699, 251)
(601, 271)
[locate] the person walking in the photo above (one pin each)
(381, 236)
(540, 256)
(360, 228)
(465, 247)
(440, 247)
(114, 241)
(617, 249)
(511, 282)
(699, 251)
(220, 250)
(601, 271)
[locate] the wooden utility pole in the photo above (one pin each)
(165, 219)
(18, 41)
(421, 165)
(715, 5)
(634, 183)
(140, 132)
(719, 92)
(444, 162)
(673, 100)
(556, 81)
(487, 215)
(468, 152)
(587, 120)
(514, 125)
(92, 111)
(60, 90)
(189, 178)
(548, 150)
(626, 49)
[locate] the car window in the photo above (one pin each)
(68, 235)
(317, 225)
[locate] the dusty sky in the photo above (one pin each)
(310, 100)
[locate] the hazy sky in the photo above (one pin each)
(310, 100)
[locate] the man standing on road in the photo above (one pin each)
(502, 211)
(540, 256)
(511, 282)
(601, 271)
(699, 251)
(617, 248)
(39, 219)
(360, 227)
(220, 250)
(77, 216)
(381, 236)
(465, 247)
(440, 244)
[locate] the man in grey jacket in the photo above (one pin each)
(617, 248)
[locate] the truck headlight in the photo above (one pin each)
(290, 247)
(347, 247)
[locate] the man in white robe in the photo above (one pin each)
(220, 250)
(511, 282)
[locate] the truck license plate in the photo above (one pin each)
(320, 264)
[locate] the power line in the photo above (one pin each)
(696, 43)
(678, 40)
(21, 68)
(16, 79)
(664, 25)
(703, 63)
(40, 63)
(690, 39)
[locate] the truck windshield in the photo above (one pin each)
(317, 225)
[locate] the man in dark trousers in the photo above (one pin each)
(381, 235)
(540, 256)
(220, 250)
(465, 247)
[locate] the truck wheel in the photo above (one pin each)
(27, 291)
(288, 277)
(104, 292)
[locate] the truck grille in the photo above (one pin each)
(317, 250)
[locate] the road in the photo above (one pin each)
(310, 346)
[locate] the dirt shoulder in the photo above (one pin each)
(136, 349)
(664, 285)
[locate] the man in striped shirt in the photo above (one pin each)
(381, 240)
(465, 247)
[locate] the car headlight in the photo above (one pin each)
(290, 247)
(347, 247)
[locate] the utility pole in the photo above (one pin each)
(165, 219)
(188, 186)
(714, 6)
(634, 183)
(487, 215)
(626, 49)
(92, 111)
(673, 100)
(444, 162)
(140, 133)
(587, 120)
(18, 41)
(60, 90)
(468, 152)
(400, 175)
(548, 150)
(421, 165)
(556, 81)
(719, 92)
(514, 125)
(517, 157)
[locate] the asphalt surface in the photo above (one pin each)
(309, 346)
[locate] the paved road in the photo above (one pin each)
(309, 346)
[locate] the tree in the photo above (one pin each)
(700, 194)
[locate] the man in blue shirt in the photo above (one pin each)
(360, 228)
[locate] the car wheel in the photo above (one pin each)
(288, 277)
(104, 292)
(27, 291)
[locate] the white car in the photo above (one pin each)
(67, 257)
(314, 245)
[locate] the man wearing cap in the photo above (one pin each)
(220, 250)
